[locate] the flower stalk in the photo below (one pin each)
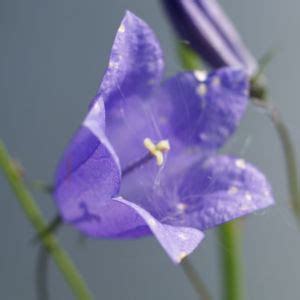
(34, 215)
(42, 290)
(289, 153)
(232, 261)
(195, 279)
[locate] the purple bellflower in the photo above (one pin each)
(144, 159)
(210, 32)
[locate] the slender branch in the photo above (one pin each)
(289, 153)
(195, 279)
(51, 228)
(232, 261)
(34, 215)
(40, 186)
(42, 264)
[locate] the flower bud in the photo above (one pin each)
(205, 26)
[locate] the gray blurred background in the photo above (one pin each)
(52, 56)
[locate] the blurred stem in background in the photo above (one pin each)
(195, 279)
(289, 154)
(259, 95)
(232, 260)
(229, 233)
(32, 212)
(42, 290)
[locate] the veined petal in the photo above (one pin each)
(111, 220)
(136, 62)
(210, 32)
(203, 109)
(177, 241)
(89, 173)
(221, 189)
(135, 68)
(129, 123)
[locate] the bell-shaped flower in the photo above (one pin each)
(144, 159)
(210, 32)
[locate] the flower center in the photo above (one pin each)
(158, 149)
(155, 150)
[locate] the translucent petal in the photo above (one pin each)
(177, 241)
(220, 189)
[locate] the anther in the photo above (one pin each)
(158, 149)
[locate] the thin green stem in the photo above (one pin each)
(195, 280)
(42, 264)
(232, 261)
(34, 215)
(52, 227)
(289, 154)
(41, 186)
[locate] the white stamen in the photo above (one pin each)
(113, 65)
(182, 236)
(181, 206)
(121, 28)
(240, 163)
(200, 75)
(216, 81)
(248, 196)
(201, 89)
(233, 190)
(97, 108)
(152, 222)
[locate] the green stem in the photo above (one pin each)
(195, 280)
(232, 262)
(52, 227)
(42, 266)
(34, 215)
(40, 186)
(289, 154)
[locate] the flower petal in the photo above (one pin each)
(204, 109)
(177, 241)
(220, 189)
(128, 125)
(136, 62)
(135, 68)
(111, 220)
(89, 172)
(210, 32)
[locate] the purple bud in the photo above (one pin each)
(209, 31)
